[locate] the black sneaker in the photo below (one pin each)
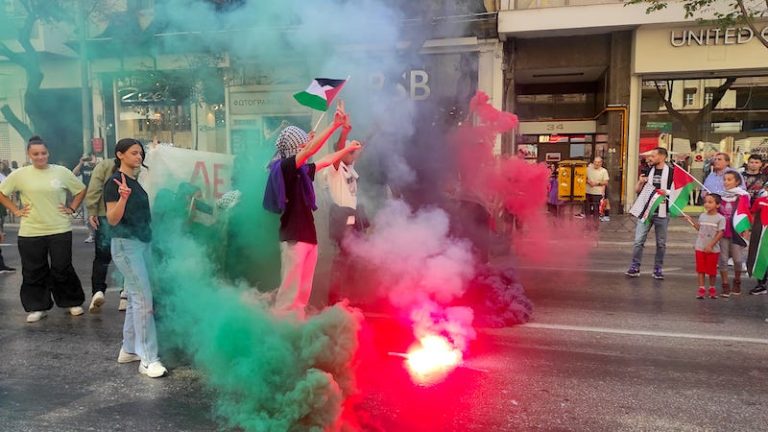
(657, 274)
(6, 269)
(758, 290)
(633, 271)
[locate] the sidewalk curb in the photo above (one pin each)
(629, 244)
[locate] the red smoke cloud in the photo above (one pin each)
(513, 185)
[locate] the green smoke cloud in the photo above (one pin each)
(267, 374)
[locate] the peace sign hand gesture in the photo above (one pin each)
(122, 187)
(340, 117)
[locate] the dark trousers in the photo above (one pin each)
(592, 210)
(592, 206)
(102, 257)
(342, 270)
(42, 279)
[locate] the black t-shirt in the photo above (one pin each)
(754, 183)
(136, 220)
(656, 181)
(297, 224)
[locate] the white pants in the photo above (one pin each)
(297, 263)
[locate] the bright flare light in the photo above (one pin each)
(431, 359)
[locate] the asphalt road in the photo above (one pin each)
(604, 353)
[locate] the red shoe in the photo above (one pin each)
(701, 293)
(713, 293)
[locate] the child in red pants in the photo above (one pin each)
(710, 226)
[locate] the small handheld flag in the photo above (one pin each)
(742, 219)
(682, 185)
(320, 93)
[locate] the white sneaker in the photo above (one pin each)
(76, 311)
(36, 316)
(153, 370)
(126, 357)
(89, 239)
(97, 301)
(123, 304)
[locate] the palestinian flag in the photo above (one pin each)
(757, 261)
(320, 93)
(656, 201)
(742, 220)
(682, 185)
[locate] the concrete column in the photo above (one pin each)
(632, 156)
(491, 77)
(508, 71)
(618, 90)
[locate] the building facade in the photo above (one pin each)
(586, 77)
(596, 77)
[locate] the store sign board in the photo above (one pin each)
(558, 127)
(714, 36)
(695, 49)
(659, 126)
(244, 103)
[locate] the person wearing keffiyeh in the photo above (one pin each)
(732, 245)
(290, 193)
(658, 181)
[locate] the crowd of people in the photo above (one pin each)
(118, 211)
(44, 197)
(723, 238)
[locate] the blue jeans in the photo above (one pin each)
(139, 335)
(641, 233)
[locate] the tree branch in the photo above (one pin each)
(717, 96)
(10, 55)
(30, 61)
(751, 23)
(16, 122)
(690, 125)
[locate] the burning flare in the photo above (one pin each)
(431, 359)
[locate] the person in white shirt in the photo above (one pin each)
(345, 217)
(597, 179)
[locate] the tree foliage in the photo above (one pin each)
(724, 13)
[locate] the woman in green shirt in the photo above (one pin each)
(45, 232)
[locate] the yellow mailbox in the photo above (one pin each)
(572, 180)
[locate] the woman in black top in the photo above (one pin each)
(128, 214)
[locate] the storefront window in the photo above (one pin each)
(731, 117)
(174, 108)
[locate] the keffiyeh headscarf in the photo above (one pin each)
(289, 140)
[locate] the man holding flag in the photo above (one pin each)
(652, 210)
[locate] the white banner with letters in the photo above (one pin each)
(169, 167)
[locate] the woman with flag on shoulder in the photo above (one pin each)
(735, 208)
